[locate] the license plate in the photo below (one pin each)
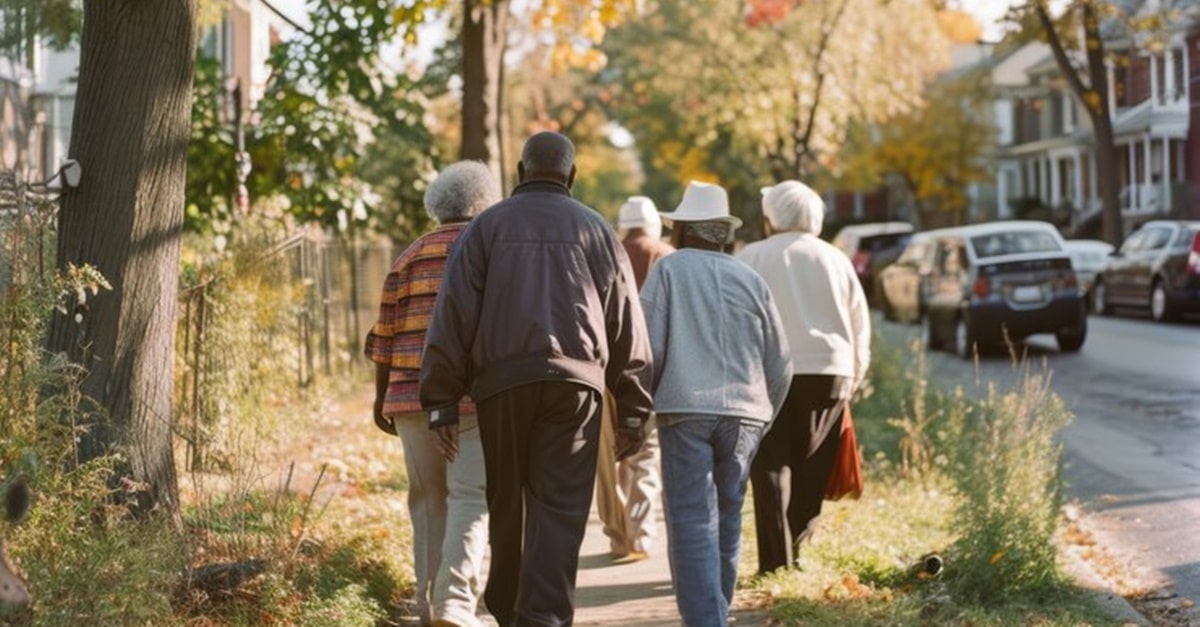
(1027, 293)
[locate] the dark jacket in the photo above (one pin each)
(538, 288)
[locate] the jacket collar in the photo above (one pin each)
(553, 187)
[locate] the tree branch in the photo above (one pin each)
(282, 16)
(1060, 54)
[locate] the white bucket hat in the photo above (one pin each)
(638, 212)
(704, 202)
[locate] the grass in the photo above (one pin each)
(972, 480)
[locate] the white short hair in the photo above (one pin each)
(794, 206)
(461, 191)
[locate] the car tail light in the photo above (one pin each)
(983, 287)
(862, 261)
(1194, 256)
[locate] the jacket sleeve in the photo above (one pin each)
(629, 368)
(777, 355)
(655, 307)
(860, 326)
(446, 365)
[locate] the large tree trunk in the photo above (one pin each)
(483, 40)
(130, 135)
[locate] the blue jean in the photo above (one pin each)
(705, 466)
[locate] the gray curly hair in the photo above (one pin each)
(461, 192)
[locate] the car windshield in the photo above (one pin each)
(1014, 243)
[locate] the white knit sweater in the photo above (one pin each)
(820, 301)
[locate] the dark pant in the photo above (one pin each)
(792, 467)
(539, 449)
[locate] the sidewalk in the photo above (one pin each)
(637, 594)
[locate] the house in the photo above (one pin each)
(37, 91)
(1045, 140)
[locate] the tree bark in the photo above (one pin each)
(1094, 95)
(484, 36)
(130, 135)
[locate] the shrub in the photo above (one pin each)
(1005, 463)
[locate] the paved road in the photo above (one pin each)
(1133, 450)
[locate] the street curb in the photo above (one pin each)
(1091, 582)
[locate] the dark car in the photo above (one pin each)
(999, 282)
(1157, 268)
(863, 243)
(901, 288)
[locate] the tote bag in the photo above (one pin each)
(846, 480)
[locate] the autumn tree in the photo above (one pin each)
(1088, 79)
(130, 133)
(768, 91)
(935, 150)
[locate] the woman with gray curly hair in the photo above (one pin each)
(446, 497)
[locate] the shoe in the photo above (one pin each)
(631, 557)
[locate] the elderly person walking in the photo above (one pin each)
(446, 501)
(536, 317)
(627, 492)
(829, 328)
(721, 373)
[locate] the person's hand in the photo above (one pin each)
(447, 441)
(629, 441)
(383, 422)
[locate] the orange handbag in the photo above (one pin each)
(846, 480)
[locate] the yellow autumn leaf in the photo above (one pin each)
(997, 557)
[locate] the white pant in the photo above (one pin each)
(448, 507)
(627, 492)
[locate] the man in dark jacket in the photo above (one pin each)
(538, 313)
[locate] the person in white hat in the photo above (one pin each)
(825, 313)
(721, 372)
(627, 492)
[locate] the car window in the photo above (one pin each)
(1185, 238)
(1133, 243)
(1014, 242)
(1156, 238)
(913, 252)
(876, 243)
(951, 259)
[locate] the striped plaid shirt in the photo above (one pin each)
(398, 337)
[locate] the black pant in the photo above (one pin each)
(539, 449)
(792, 467)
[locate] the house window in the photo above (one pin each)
(1068, 108)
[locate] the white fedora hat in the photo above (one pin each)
(638, 212)
(704, 202)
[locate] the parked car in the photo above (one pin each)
(901, 288)
(1002, 281)
(1157, 268)
(1089, 257)
(864, 242)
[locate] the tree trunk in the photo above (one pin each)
(1094, 95)
(484, 35)
(1106, 147)
(130, 135)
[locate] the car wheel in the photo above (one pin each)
(1160, 305)
(1099, 294)
(964, 338)
(1070, 339)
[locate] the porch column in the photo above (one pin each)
(1147, 182)
(1154, 86)
(1170, 89)
(1164, 180)
(1055, 183)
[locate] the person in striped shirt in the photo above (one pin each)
(447, 493)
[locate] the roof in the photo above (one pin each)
(1000, 226)
(875, 228)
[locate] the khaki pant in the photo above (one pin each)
(627, 492)
(447, 503)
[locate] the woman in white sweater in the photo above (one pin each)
(828, 326)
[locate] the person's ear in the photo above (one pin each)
(520, 172)
(571, 177)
